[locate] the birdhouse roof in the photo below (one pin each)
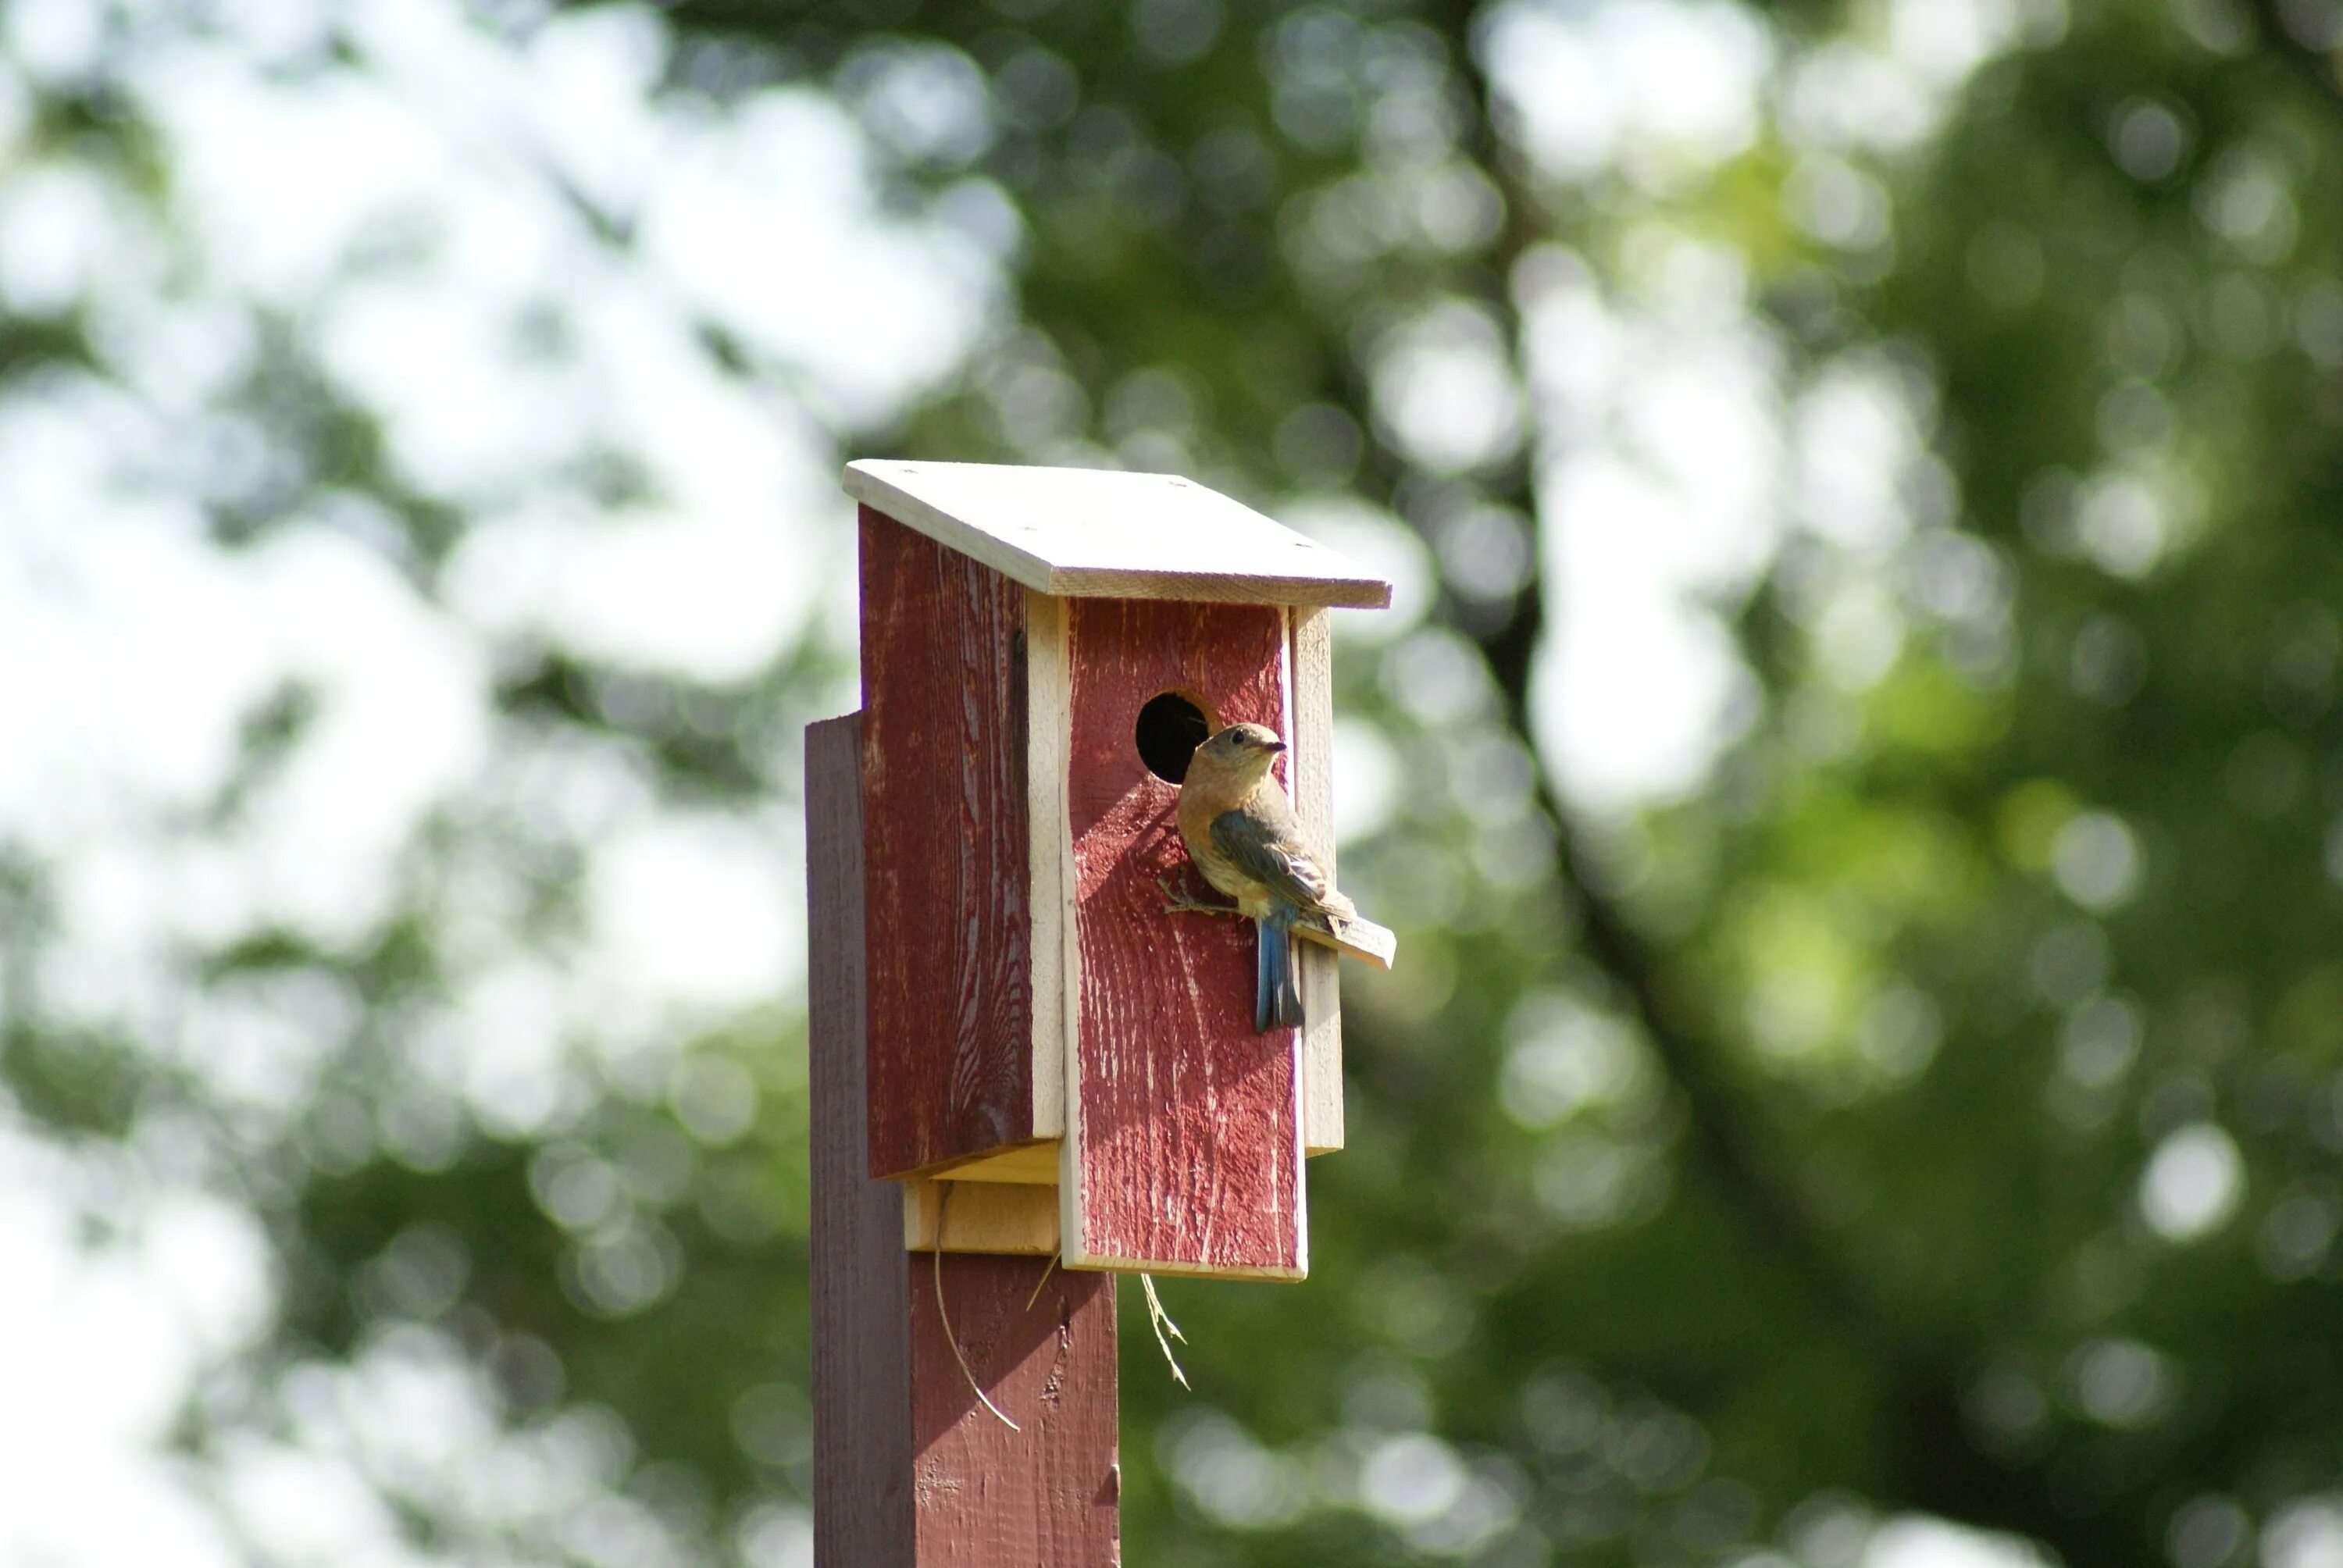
(1106, 534)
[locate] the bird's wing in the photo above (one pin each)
(1272, 852)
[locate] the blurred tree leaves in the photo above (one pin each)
(1932, 1109)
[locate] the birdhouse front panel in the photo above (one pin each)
(1184, 1139)
(948, 913)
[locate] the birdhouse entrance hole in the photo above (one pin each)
(1170, 727)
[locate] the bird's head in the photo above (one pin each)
(1241, 751)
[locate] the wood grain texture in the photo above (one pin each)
(1183, 1146)
(1310, 666)
(1050, 1494)
(1103, 533)
(948, 871)
(909, 1471)
(979, 1217)
(862, 1496)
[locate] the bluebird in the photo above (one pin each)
(1243, 835)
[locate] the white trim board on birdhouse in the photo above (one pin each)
(1309, 694)
(1102, 532)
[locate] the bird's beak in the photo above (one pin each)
(1273, 746)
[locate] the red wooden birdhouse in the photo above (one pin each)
(1054, 1062)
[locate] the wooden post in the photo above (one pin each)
(1018, 1053)
(911, 1469)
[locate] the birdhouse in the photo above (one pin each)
(1049, 1051)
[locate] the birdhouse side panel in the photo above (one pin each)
(947, 874)
(1184, 1147)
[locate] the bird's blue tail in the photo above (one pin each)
(1277, 984)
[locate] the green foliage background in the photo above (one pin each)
(1723, 1173)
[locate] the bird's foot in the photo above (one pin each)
(1181, 901)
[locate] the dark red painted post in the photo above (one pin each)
(911, 1469)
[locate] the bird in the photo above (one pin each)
(1243, 835)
